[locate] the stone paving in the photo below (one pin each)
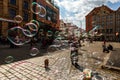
(23, 70)
(60, 66)
(92, 57)
(33, 69)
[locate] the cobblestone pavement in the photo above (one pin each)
(90, 56)
(33, 69)
(23, 70)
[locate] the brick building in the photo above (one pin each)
(117, 24)
(50, 22)
(52, 14)
(9, 9)
(106, 19)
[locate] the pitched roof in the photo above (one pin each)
(96, 9)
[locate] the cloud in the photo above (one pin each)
(76, 10)
(113, 1)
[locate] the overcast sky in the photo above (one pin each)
(76, 10)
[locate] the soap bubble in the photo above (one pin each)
(34, 51)
(9, 59)
(16, 36)
(36, 8)
(49, 33)
(31, 29)
(42, 12)
(18, 19)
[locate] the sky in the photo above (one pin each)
(74, 11)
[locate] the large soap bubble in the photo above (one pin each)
(36, 8)
(9, 59)
(34, 51)
(18, 19)
(16, 36)
(31, 29)
(42, 12)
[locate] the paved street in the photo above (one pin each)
(93, 57)
(21, 53)
(33, 69)
(90, 56)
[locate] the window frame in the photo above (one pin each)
(27, 3)
(24, 16)
(13, 2)
(12, 12)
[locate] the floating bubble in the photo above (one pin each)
(35, 22)
(18, 19)
(97, 77)
(49, 33)
(32, 26)
(42, 12)
(110, 62)
(16, 36)
(41, 32)
(51, 49)
(36, 8)
(56, 33)
(9, 59)
(34, 51)
(2, 19)
(26, 32)
(30, 29)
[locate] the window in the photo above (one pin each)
(54, 18)
(25, 16)
(49, 14)
(111, 17)
(12, 13)
(104, 11)
(94, 18)
(102, 30)
(107, 30)
(111, 30)
(13, 2)
(25, 5)
(111, 23)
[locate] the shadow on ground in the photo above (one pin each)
(20, 53)
(114, 59)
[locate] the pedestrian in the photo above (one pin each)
(110, 47)
(91, 40)
(74, 55)
(105, 49)
(104, 42)
(46, 64)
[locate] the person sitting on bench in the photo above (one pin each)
(105, 49)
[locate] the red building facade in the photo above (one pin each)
(52, 14)
(106, 19)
